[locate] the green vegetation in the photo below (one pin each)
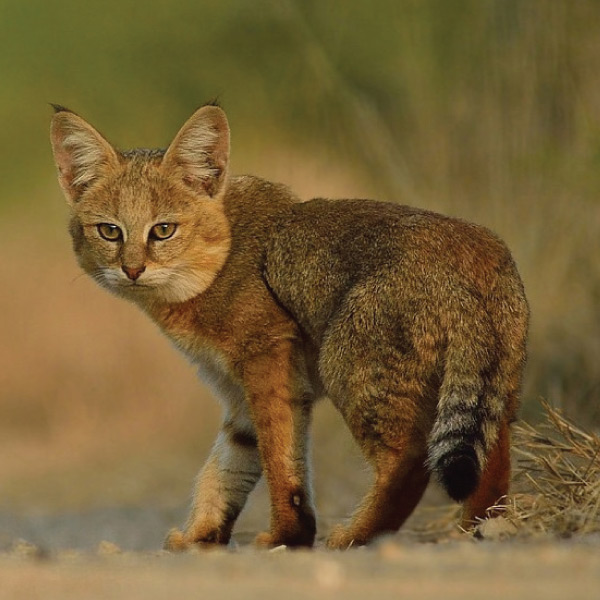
(485, 109)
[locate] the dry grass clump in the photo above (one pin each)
(557, 478)
(556, 488)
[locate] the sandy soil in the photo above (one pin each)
(115, 553)
(391, 569)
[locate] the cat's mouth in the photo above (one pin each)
(158, 285)
(132, 286)
(136, 287)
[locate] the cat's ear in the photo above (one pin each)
(81, 154)
(199, 154)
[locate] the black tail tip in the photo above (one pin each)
(459, 473)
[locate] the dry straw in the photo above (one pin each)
(557, 480)
(556, 487)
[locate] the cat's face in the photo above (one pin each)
(147, 225)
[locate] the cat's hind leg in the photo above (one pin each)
(493, 484)
(400, 480)
(385, 389)
(389, 414)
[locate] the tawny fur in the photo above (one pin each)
(412, 323)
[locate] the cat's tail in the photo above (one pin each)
(468, 417)
(484, 359)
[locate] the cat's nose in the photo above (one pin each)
(133, 272)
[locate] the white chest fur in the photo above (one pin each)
(214, 372)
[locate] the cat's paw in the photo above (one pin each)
(265, 540)
(176, 541)
(341, 538)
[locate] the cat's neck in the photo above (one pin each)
(252, 206)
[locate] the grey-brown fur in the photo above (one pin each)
(414, 324)
(407, 306)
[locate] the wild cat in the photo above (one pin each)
(413, 324)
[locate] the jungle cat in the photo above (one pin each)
(412, 323)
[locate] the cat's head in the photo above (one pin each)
(148, 225)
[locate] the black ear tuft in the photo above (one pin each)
(213, 102)
(59, 108)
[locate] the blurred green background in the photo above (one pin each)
(484, 109)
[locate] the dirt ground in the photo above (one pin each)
(390, 569)
(115, 553)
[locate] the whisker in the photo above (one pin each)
(78, 276)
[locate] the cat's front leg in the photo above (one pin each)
(221, 489)
(280, 402)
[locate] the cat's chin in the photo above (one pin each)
(135, 293)
(152, 294)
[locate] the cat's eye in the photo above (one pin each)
(163, 231)
(109, 232)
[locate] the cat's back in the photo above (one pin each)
(323, 249)
(352, 239)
